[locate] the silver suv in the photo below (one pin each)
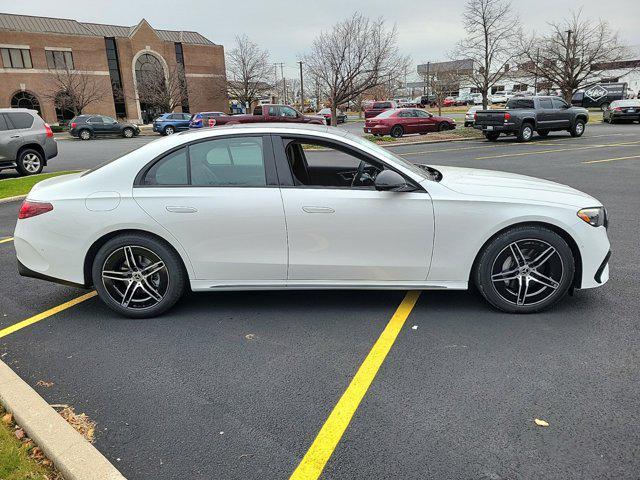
(26, 141)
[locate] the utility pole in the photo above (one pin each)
(428, 67)
(301, 89)
(284, 86)
(275, 76)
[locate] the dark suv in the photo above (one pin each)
(26, 142)
(86, 127)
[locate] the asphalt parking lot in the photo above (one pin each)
(238, 384)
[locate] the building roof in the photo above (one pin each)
(65, 26)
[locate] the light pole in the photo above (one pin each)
(301, 89)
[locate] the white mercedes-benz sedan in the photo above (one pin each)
(305, 207)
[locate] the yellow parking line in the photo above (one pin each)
(46, 314)
(587, 147)
(331, 432)
(5, 240)
(612, 159)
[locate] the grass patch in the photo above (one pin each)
(12, 187)
(18, 458)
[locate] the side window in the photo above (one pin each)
(18, 120)
(170, 170)
(108, 120)
(3, 123)
(546, 103)
(288, 112)
(273, 111)
(558, 103)
(95, 120)
(186, 116)
(228, 162)
(421, 114)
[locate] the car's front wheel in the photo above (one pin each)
(128, 132)
(578, 128)
(138, 276)
(29, 162)
(525, 270)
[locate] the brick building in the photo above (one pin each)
(36, 52)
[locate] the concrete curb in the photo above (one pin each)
(422, 142)
(12, 199)
(72, 455)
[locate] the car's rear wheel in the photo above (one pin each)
(84, 134)
(128, 132)
(169, 130)
(397, 131)
(525, 133)
(29, 162)
(525, 270)
(491, 136)
(138, 276)
(578, 128)
(604, 106)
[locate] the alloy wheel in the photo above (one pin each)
(168, 131)
(527, 272)
(128, 133)
(31, 162)
(579, 128)
(135, 277)
(85, 135)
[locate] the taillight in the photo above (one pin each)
(47, 129)
(475, 116)
(507, 116)
(31, 209)
(618, 109)
(74, 124)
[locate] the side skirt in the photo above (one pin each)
(206, 285)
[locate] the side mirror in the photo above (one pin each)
(388, 180)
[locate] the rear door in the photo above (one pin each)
(6, 152)
(545, 114)
(220, 199)
(97, 124)
(18, 132)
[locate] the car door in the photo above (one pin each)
(183, 121)
(545, 114)
(561, 115)
(349, 234)
(289, 115)
(407, 120)
(111, 125)
(97, 125)
(426, 122)
(220, 199)
(6, 149)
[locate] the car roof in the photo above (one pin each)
(25, 110)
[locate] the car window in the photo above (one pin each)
(186, 116)
(288, 112)
(228, 162)
(519, 104)
(558, 103)
(95, 120)
(170, 170)
(106, 119)
(406, 114)
(386, 113)
(546, 103)
(3, 123)
(421, 113)
(17, 120)
(273, 111)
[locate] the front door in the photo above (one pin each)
(344, 230)
(561, 114)
(219, 198)
(426, 123)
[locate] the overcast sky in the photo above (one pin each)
(428, 29)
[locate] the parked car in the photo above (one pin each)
(599, 95)
(378, 107)
(622, 111)
(86, 127)
(204, 119)
(498, 97)
(525, 115)
(477, 98)
(169, 123)
(464, 99)
(449, 102)
(269, 113)
(383, 222)
(425, 101)
(470, 115)
(26, 141)
(326, 113)
(401, 121)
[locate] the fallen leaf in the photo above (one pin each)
(541, 423)
(19, 434)
(250, 336)
(7, 418)
(42, 383)
(415, 327)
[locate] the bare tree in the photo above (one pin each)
(356, 55)
(74, 91)
(441, 85)
(248, 71)
(163, 90)
(492, 31)
(573, 54)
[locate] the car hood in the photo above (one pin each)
(490, 183)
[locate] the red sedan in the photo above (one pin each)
(401, 121)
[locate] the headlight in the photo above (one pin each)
(595, 216)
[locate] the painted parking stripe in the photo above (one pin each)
(612, 159)
(46, 314)
(5, 240)
(322, 448)
(556, 150)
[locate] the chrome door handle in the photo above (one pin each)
(318, 209)
(14, 136)
(180, 209)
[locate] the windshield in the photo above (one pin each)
(386, 154)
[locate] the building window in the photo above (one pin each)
(59, 60)
(25, 100)
(116, 79)
(16, 57)
(180, 61)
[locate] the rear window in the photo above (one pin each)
(625, 103)
(382, 105)
(386, 114)
(519, 104)
(19, 120)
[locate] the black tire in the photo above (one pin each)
(578, 128)
(169, 281)
(128, 132)
(169, 130)
(397, 131)
(611, 121)
(605, 120)
(543, 133)
(491, 136)
(604, 106)
(526, 132)
(442, 126)
(29, 162)
(85, 134)
(505, 294)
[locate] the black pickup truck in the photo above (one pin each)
(524, 115)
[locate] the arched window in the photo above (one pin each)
(148, 67)
(25, 100)
(151, 85)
